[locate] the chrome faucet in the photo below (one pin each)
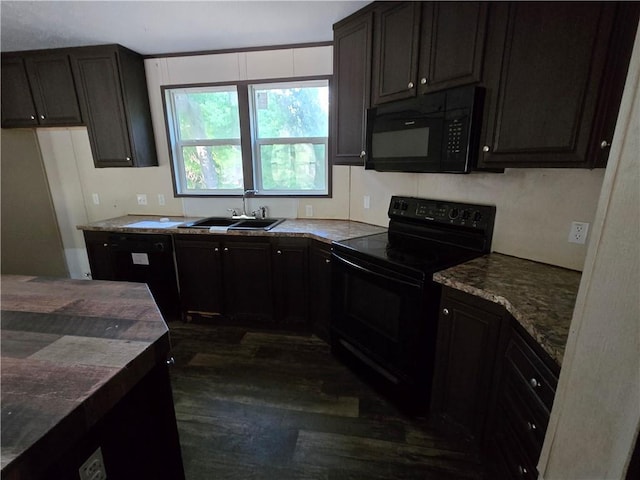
(244, 205)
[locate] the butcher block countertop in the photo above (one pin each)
(71, 349)
(540, 297)
(322, 230)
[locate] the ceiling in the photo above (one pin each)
(157, 27)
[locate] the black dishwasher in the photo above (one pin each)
(137, 257)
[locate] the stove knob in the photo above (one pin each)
(477, 216)
(466, 214)
(396, 205)
(405, 205)
(453, 213)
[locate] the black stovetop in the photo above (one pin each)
(428, 257)
(426, 235)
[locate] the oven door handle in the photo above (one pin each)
(375, 274)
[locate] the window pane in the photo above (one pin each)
(212, 115)
(298, 166)
(294, 112)
(213, 167)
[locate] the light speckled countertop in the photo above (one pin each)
(541, 297)
(322, 230)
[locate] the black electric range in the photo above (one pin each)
(385, 303)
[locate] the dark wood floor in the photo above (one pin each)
(263, 405)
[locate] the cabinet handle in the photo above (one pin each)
(216, 249)
(226, 249)
(522, 470)
(42, 117)
(33, 117)
(410, 85)
(486, 148)
(423, 81)
(363, 154)
(531, 426)
(534, 383)
(171, 361)
(106, 245)
(279, 252)
(604, 144)
(128, 159)
(445, 311)
(326, 260)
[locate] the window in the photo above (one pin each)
(272, 137)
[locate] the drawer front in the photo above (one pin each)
(540, 381)
(528, 423)
(512, 460)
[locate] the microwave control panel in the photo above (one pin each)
(456, 138)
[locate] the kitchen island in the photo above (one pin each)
(84, 365)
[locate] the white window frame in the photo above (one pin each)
(257, 142)
(251, 164)
(177, 143)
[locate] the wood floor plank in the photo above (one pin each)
(255, 404)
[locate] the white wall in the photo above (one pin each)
(534, 207)
(596, 415)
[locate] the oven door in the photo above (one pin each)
(382, 318)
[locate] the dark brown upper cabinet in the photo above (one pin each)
(420, 47)
(554, 75)
(352, 43)
(38, 90)
(112, 88)
(396, 43)
(452, 42)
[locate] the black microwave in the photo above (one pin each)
(438, 132)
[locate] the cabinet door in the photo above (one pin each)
(199, 276)
(247, 277)
(291, 281)
(468, 346)
(18, 109)
(54, 92)
(543, 74)
(351, 88)
(396, 42)
(451, 45)
(320, 291)
(101, 99)
(101, 260)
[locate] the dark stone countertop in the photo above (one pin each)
(541, 297)
(71, 349)
(322, 230)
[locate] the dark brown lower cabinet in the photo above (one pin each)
(493, 384)
(228, 276)
(258, 280)
(468, 352)
(199, 274)
(246, 277)
(138, 437)
(320, 289)
(524, 397)
(291, 281)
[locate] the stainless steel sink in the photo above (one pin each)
(234, 224)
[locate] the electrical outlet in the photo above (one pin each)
(160, 199)
(142, 198)
(578, 232)
(367, 201)
(93, 468)
(96, 198)
(308, 210)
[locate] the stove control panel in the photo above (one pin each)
(427, 211)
